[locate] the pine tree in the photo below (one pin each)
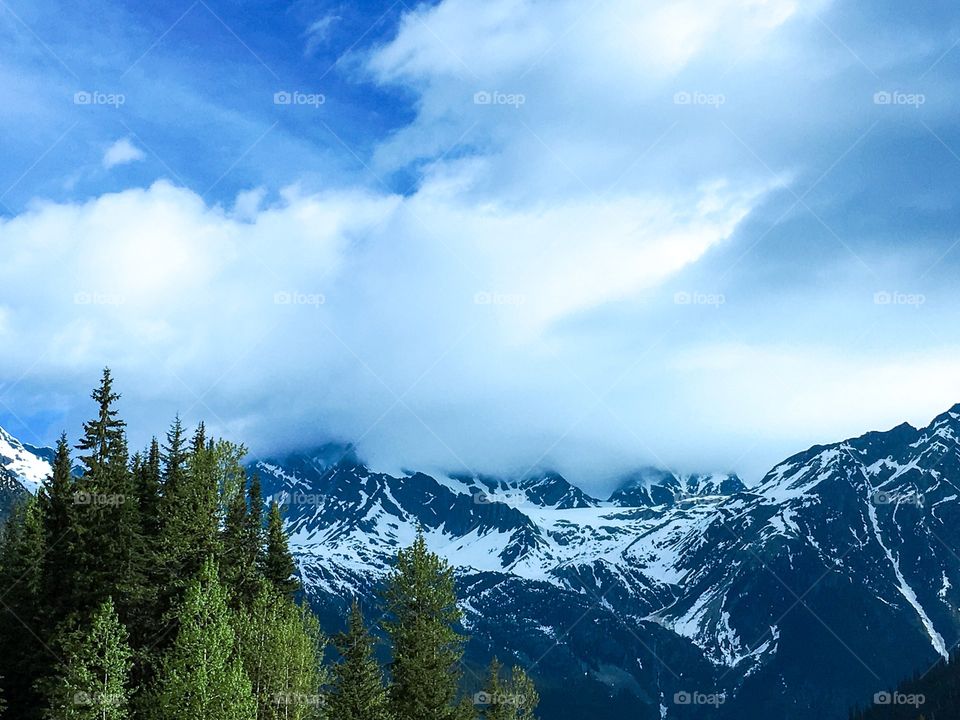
(171, 551)
(174, 459)
(56, 503)
(282, 647)
(101, 434)
(490, 699)
(202, 675)
(110, 560)
(278, 565)
(148, 479)
(92, 681)
(199, 441)
(242, 528)
(422, 619)
(24, 656)
(189, 511)
(513, 699)
(146, 473)
(254, 535)
(358, 691)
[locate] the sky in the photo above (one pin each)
(483, 236)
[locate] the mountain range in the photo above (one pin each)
(677, 596)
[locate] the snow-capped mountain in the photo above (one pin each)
(22, 469)
(679, 596)
(26, 464)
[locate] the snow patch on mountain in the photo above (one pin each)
(25, 463)
(936, 639)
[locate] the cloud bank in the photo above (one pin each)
(602, 237)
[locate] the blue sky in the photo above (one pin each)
(484, 236)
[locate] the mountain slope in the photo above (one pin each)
(680, 596)
(810, 592)
(22, 469)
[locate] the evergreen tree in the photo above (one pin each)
(513, 699)
(278, 565)
(422, 619)
(242, 528)
(58, 567)
(199, 442)
(254, 535)
(101, 434)
(150, 630)
(189, 523)
(202, 675)
(110, 561)
(171, 550)
(282, 649)
(24, 656)
(92, 681)
(148, 479)
(174, 459)
(358, 691)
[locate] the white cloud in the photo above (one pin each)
(319, 32)
(515, 305)
(122, 152)
(329, 306)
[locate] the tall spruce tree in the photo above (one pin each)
(92, 681)
(174, 458)
(171, 545)
(242, 528)
(202, 674)
(58, 567)
(254, 536)
(422, 618)
(282, 647)
(101, 434)
(148, 479)
(358, 691)
(110, 562)
(278, 565)
(189, 511)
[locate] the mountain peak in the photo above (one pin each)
(651, 486)
(28, 465)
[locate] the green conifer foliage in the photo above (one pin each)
(358, 691)
(423, 616)
(92, 681)
(202, 674)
